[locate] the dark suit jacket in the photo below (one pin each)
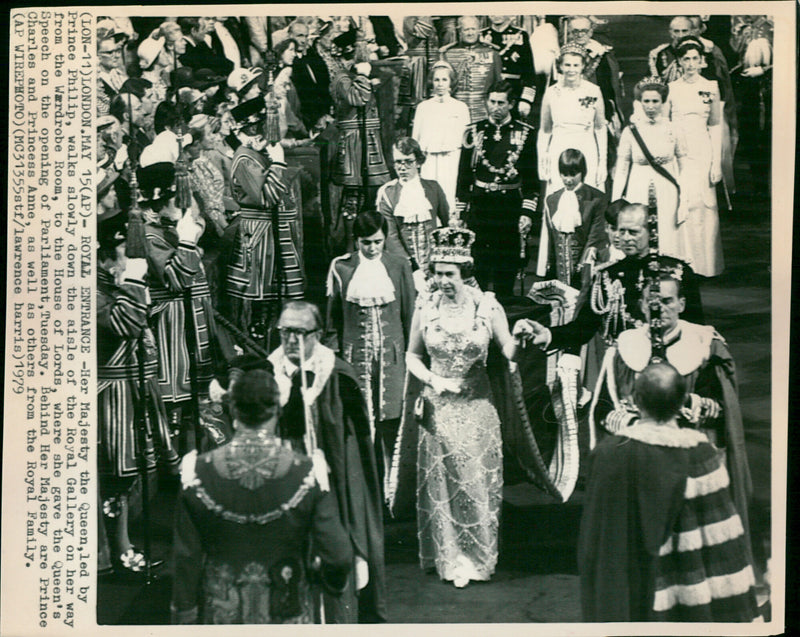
(202, 56)
(387, 199)
(591, 233)
(311, 79)
(346, 320)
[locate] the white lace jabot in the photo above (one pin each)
(568, 213)
(370, 285)
(413, 206)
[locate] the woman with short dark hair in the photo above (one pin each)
(245, 520)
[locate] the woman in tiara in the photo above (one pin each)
(694, 109)
(573, 116)
(439, 125)
(635, 171)
(460, 458)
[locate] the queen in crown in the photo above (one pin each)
(460, 458)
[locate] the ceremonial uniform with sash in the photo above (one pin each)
(498, 179)
(514, 47)
(477, 67)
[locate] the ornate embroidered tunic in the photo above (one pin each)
(243, 524)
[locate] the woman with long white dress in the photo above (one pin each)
(634, 171)
(573, 116)
(694, 109)
(439, 125)
(460, 456)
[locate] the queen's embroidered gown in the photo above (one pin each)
(460, 461)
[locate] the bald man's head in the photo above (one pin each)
(659, 392)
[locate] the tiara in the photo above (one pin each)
(574, 49)
(651, 81)
(452, 244)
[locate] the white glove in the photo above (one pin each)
(188, 476)
(188, 229)
(753, 71)
(216, 392)
(362, 573)
(525, 224)
(441, 385)
(275, 153)
(363, 68)
(524, 109)
(121, 157)
(135, 269)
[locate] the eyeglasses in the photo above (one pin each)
(111, 52)
(579, 31)
(286, 332)
(405, 162)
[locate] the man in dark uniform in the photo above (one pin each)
(514, 47)
(499, 180)
(611, 302)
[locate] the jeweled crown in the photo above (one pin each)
(452, 244)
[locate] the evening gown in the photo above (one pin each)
(459, 474)
(573, 113)
(699, 240)
(633, 166)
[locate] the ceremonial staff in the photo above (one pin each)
(136, 248)
(657, 351)
(183, 200)
(312, 450)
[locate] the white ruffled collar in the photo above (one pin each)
(412, 204)
(568, 212)
(370, 285)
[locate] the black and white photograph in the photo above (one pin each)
(427, 319)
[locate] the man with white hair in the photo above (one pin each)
(477, 64)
